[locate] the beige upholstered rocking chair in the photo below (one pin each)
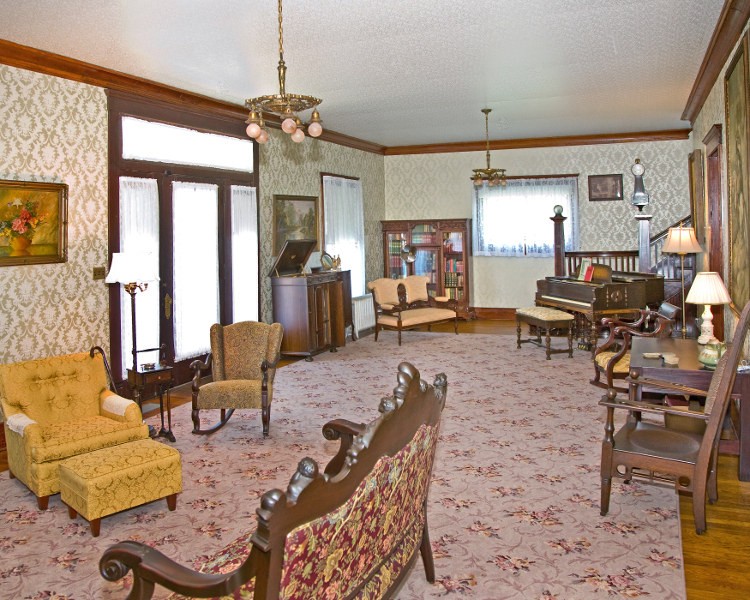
(243, 361)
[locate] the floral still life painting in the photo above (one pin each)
(32, 222)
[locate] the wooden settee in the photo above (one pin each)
(353, 530)
(402, 304)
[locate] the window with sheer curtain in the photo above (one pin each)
(514, 219)
(343, 211)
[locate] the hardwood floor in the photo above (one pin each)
(713, 561)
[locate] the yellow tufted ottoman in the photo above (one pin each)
(107, 481)
(545, 319)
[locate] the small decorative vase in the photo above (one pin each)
(711, 353)
(19, 246)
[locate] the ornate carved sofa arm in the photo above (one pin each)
(149, 567)
(344, 430)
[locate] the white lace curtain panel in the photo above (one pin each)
(344, 226)
(514, 220)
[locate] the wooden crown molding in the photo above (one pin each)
(48, 63)
(32, 59)
(571, 140)
(728, 29)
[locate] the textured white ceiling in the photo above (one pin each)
(401, 72)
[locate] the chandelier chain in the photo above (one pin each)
(281, 35)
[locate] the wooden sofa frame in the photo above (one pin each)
(357, 502)
(408, 315)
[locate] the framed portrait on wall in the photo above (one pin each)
(737, 145)
(33, 223)
(295, 218)
(605, 187)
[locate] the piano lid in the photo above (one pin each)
(292, 258)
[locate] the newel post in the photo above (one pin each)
(558, 220)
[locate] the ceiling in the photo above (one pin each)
(395, 72)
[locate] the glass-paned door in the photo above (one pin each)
(453, 264)
(397, 267)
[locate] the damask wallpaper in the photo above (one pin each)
(55, 130)
(438, 186)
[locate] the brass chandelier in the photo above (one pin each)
(489, 175)
(284, 105)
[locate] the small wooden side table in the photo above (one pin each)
(161, 376)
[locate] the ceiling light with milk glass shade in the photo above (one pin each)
(284, 105)
(492, 177)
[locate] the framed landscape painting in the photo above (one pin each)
(33, 223)
(737, 145)
(295, 218)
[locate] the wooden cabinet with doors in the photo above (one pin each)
(313, 311)
(437, 248)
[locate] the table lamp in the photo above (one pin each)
(133, 270)
(682, 241)
(708, 289)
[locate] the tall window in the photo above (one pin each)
(183, 190)
(514, 219)
(345, 226)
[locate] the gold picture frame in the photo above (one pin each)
(697, 196)
(738, 187)
(295, 218)
(33, 223)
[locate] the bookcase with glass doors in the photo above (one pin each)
(439, 249)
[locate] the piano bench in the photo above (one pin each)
(545, 319)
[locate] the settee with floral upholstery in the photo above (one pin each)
(59, 407)
(353, 530)
(402, 304)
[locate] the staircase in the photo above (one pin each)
(668, 265)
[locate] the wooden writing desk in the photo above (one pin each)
(692, 373)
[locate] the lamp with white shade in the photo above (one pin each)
(134, 271)
(708, 289)
(682, 241)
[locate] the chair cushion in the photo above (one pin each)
(621, 366)
(234, 393)
(62, 440)
(385, 290)
(418, 316)
(416, 288)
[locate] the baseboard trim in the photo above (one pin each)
(495, 314)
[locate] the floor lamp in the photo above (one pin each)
(133, 271)
(682, 241)
(708, 289)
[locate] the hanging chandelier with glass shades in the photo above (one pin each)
(284, 105)
(489, 175)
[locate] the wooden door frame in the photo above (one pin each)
(714, 232)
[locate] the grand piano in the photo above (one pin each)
(609, 293)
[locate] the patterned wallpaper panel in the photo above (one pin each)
(55, 130)
(438, 186)
(294, 169)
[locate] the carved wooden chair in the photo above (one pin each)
(353, 530)
(686, 458)
(243, 361)
(612, 357)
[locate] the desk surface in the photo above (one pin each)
(686, 350)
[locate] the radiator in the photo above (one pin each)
(363, 314)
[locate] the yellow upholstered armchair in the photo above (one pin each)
(406, 304)
(59, 407)
(243, 361)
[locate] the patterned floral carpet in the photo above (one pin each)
(514, 501)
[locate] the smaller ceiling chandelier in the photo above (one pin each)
(286, 106)
(489, 175)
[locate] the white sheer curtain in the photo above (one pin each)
(345, 226)
(196, 266)
(139, 232)
(244, 254)
(514, 220)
